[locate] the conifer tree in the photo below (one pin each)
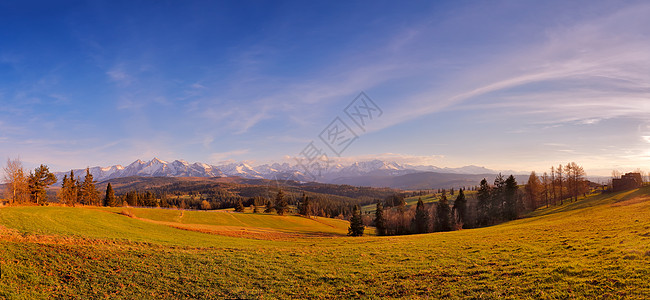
(305, 206)
(460, 207)
(356, 223)
(89, 194)
(281, 204)
(421, 219)
(255, 208)
(109, 199)
(269, 206)
(483, 206)
(239, 207)
(510, 198)
(443, 214)
(38, 181)
(380, 220)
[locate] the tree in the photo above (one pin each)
(380, 220)
(281, 204)
(483, 207)
(269, 206)
(356, 223)
(109, 199)
(89, 194)
(510, 198)
(460, 207)
(533, 190)
(38, 181)
(16, 182)
(255, 208)
(421, 219)
(545, 188)
(560, 182)
(68, 193)
(305, 206)
(443, 214)
(553, 194)
(239, 207)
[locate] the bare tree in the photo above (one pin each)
(560, 182)
(16, 181)
(545, 187)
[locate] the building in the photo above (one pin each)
(627, 182)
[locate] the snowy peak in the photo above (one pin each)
(180, 168)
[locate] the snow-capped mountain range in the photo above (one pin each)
(180, 168)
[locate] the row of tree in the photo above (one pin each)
(562, 183)
(25, 187)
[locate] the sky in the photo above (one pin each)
(508, 85)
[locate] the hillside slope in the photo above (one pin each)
(598, 247)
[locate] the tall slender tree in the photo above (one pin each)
(443, 214)
(356, 223)
(460, 208)
(109, 199)
(89, 194)
(421, 219)
(510, 198)
(483, 207)
(380, 219)
(281, 204)
(533, 191)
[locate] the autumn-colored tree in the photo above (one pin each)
(533, 190)
(239, 207)
(16, 182)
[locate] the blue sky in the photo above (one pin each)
(519, 85)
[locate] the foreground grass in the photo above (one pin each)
(598, 247)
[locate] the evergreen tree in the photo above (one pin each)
(109, 199)
(421, 219)
(269, 206)
(443, 214)
(64, 191)
(497, 199)
(305, 205)
(460, 207)
(510, 198)
(255, 208)
(281, 204)
(356, 223)
(89, 194)
(38, 181)
(380, 220)
(239, 207)
(483, 206)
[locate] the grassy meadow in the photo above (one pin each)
(597, 247)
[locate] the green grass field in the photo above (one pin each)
(598, 247)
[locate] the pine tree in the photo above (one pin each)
(356, 223)
(460, 207)
(380, 220)
(305, 205)
(483, 206)
(89, 194)
(269, 206)
(510, 198)
(38, 181)
(443, 213)
(421, 219)
(281, 204)
(239, 207)
(109, 199)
